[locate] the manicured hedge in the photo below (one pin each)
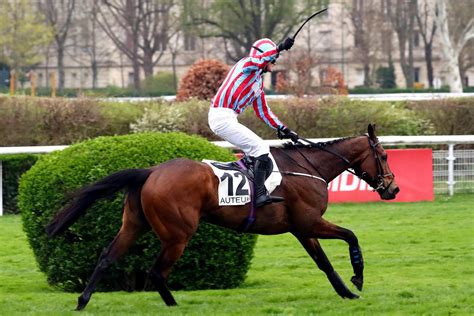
(215, 258)
(13, 166)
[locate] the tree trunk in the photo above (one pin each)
(450, 52)
(95, 73)
(148, 64)
(429, 63)
(136, 75)
(367, 79)
(175, 76)
(61, 68)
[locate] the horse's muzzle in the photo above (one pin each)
(390, 193)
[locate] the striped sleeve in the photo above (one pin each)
(256, 63)
(265, 113)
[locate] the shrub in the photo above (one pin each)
(188, 117)
(448, 116)
(26, 121)
(329, 117)
(163, 83)
(385, 77)
(13, 166)
(202, 80)
(215, 257)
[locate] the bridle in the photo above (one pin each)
(377, 180)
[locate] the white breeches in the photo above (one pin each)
(223, 122)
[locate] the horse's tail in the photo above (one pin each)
(84, 198)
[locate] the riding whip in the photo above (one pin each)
(312, 16)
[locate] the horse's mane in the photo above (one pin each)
(319, 144)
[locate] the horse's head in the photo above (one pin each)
(374, 168)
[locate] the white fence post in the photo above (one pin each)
(451, 159)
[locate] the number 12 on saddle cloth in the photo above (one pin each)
(234, 187)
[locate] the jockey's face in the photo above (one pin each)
(268, 67)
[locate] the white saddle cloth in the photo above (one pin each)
(234, 188)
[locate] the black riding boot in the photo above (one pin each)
(263, 167)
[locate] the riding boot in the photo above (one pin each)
(263, 166)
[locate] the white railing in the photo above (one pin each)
(450, 140)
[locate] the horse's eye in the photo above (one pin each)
(384, 157)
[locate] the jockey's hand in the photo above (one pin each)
(286, 44)
(285, 132)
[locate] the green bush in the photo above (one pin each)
(27, 121)
(448, 117)
(163, 83)
(215, 257)
(385, 77)
(13, 166)
(330, 117)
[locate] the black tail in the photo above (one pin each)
(83, 199)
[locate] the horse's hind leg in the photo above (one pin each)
(132, 227)
(313, 247)
(169, 254)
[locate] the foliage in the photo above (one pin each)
(27, 121)
(202, 80)
(215, 258)
(408, 275)
(329, 117)
(334, 80)
(13, 166)
(385, 77)
(23, 34)
(161, 83)
(448, 118)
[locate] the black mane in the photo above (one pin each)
(319, 144)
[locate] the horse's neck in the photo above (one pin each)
(329, 164)
(352, 149)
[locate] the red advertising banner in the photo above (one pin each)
(413, 169)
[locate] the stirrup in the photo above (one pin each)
(267, 199)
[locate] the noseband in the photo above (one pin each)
(378, 179)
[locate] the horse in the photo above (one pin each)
(174, 196)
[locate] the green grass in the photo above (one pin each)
(419, 260)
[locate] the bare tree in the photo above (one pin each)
(402, 15)
(59, 16)
(366, 20)
(242, 22)
(454, 39)
(141, 29)
(427, 26)
(466, 60)
(92, 40)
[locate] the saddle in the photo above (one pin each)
(244, 165)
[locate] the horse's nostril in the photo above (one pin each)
(396, 190)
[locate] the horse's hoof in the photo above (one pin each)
(358, 282)
(81, 303)
(352, 296)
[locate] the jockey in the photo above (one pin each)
(244, 86)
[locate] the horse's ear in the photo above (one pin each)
(371, 131)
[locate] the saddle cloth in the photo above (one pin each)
(234, 187)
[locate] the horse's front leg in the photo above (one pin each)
(327, 230)
(314, 249)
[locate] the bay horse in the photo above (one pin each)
(174, 196)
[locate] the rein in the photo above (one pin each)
(378, 180)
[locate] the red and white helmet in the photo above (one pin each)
(262, 46)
